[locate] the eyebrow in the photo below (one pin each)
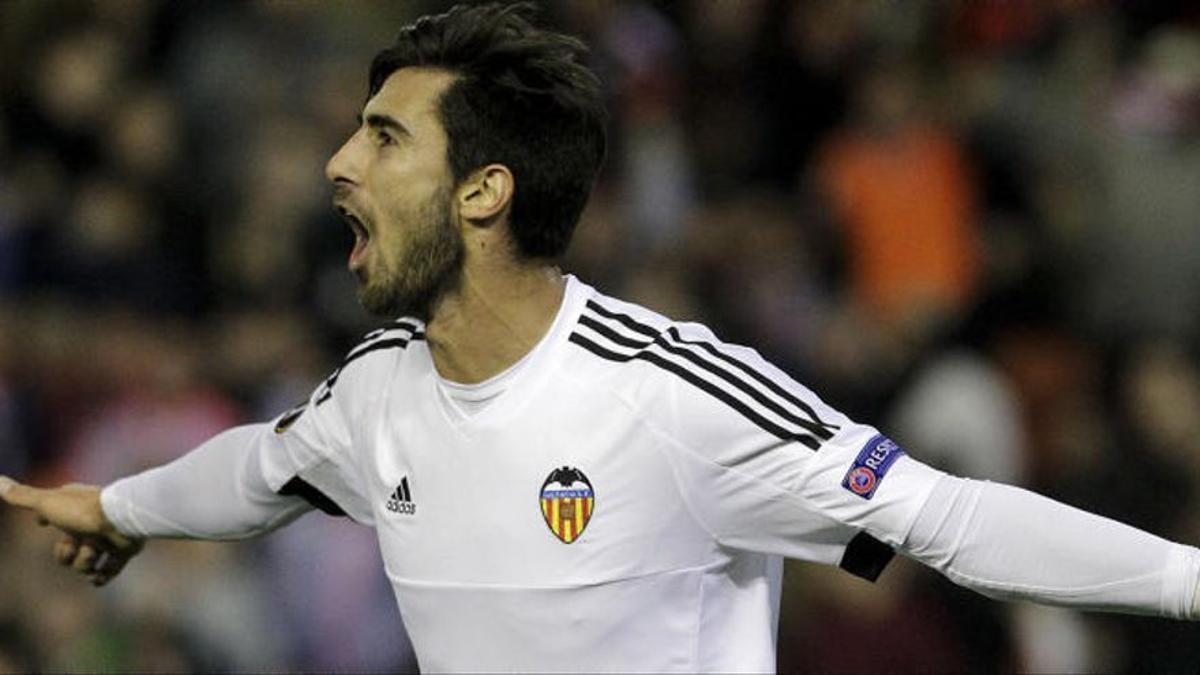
(381, 121)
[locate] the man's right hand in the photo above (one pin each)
(90, 544)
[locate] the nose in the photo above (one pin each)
(344, 167)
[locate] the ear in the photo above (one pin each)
(486, 193)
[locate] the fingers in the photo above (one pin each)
(17, 494)
(96, 559)
(122, 543)
(90, 545)
(73, 508)
(85, 558)
(65, 550)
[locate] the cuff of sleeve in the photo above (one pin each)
(119, 512)
(1181, 597)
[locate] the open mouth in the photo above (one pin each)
(362, 238)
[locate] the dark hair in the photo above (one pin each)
(524, 99)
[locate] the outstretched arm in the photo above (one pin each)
(217, 491)
(1010, 543)
(243, 482)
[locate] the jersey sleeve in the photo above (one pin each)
(765, 465)
(1013, 544)
(252, 479)
(216, 491)
(314, 454)
(310, 453)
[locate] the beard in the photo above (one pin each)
(430, 267)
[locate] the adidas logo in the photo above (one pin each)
(401, 499)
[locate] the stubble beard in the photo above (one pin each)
(429, 268)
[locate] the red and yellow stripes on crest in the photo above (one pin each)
(568, 529)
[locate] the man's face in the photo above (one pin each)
(393, 185)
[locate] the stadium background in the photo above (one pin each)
(975, 224)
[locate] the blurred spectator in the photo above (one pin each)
(804, 69)
(155, 404)
(77, 81)
(1144, 269)
(964, 416)
(902, 190)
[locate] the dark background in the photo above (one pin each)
(974, 224)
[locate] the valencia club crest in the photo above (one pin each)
(567, 501)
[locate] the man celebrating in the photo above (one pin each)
(561, 480)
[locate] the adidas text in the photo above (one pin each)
(407, 508)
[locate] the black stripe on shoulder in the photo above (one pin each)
(816, 427)
(699, 382)
(390, 343)
(823, 429)
(361, 351)
(613, 335)
(866, 556)
(303, 489)
(811, 421)
(625, 320)
(400, 325)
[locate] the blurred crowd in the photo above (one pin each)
(975, 225)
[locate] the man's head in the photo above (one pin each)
(475, 119)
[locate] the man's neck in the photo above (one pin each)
(493, 319)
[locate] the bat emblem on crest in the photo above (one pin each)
(567, 501)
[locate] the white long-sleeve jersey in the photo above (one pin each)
(624, 499)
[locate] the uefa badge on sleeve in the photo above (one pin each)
(871, 465)
(567, 502)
